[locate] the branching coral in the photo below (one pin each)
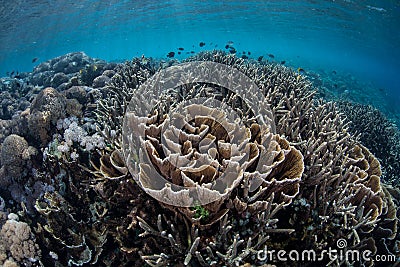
(378, 133)
(203, 168)
(207, 141)
(318, 139)
(110, 111)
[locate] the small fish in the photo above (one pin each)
(179, 52)
(229, 43)
(301, 70)
(283, 62)
(12, 73)
(244, 57)
(171, 54)
(34, 59)
(260, 58)
(181, 48)
(191, 52)
(232, 50)
(227, 47)
(144, 60)
(244, 52)
(249, 53)
(333, 72)
(201, 44)
(380, 9)
(271, 55)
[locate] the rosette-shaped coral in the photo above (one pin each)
(200, 155)
(387, 232)
(217, 158)
(378, 133)
(199, 141)
(209, 155)
(365, 189)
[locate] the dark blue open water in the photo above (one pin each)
(360, 40)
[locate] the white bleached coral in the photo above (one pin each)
(75, 133)
(74, 137)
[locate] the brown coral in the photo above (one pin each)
(51, 103)
(206, 159)
(197, 150)
(17, 238)
(202, 152)
(193, 157)
(299, 180)
(378, 133)
(48, 106)
(64, 232)
(15, 152)
(365, 184)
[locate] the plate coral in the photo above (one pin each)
(206, 162)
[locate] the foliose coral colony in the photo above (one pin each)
(78, 183)
(376, 132)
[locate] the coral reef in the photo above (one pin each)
(320, 213)
(17, 93)
(17, 240)
(124, 166)
(378, 133)
(342, 86)
(60, 71)
(14, 96)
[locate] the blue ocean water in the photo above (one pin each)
(358, 39)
